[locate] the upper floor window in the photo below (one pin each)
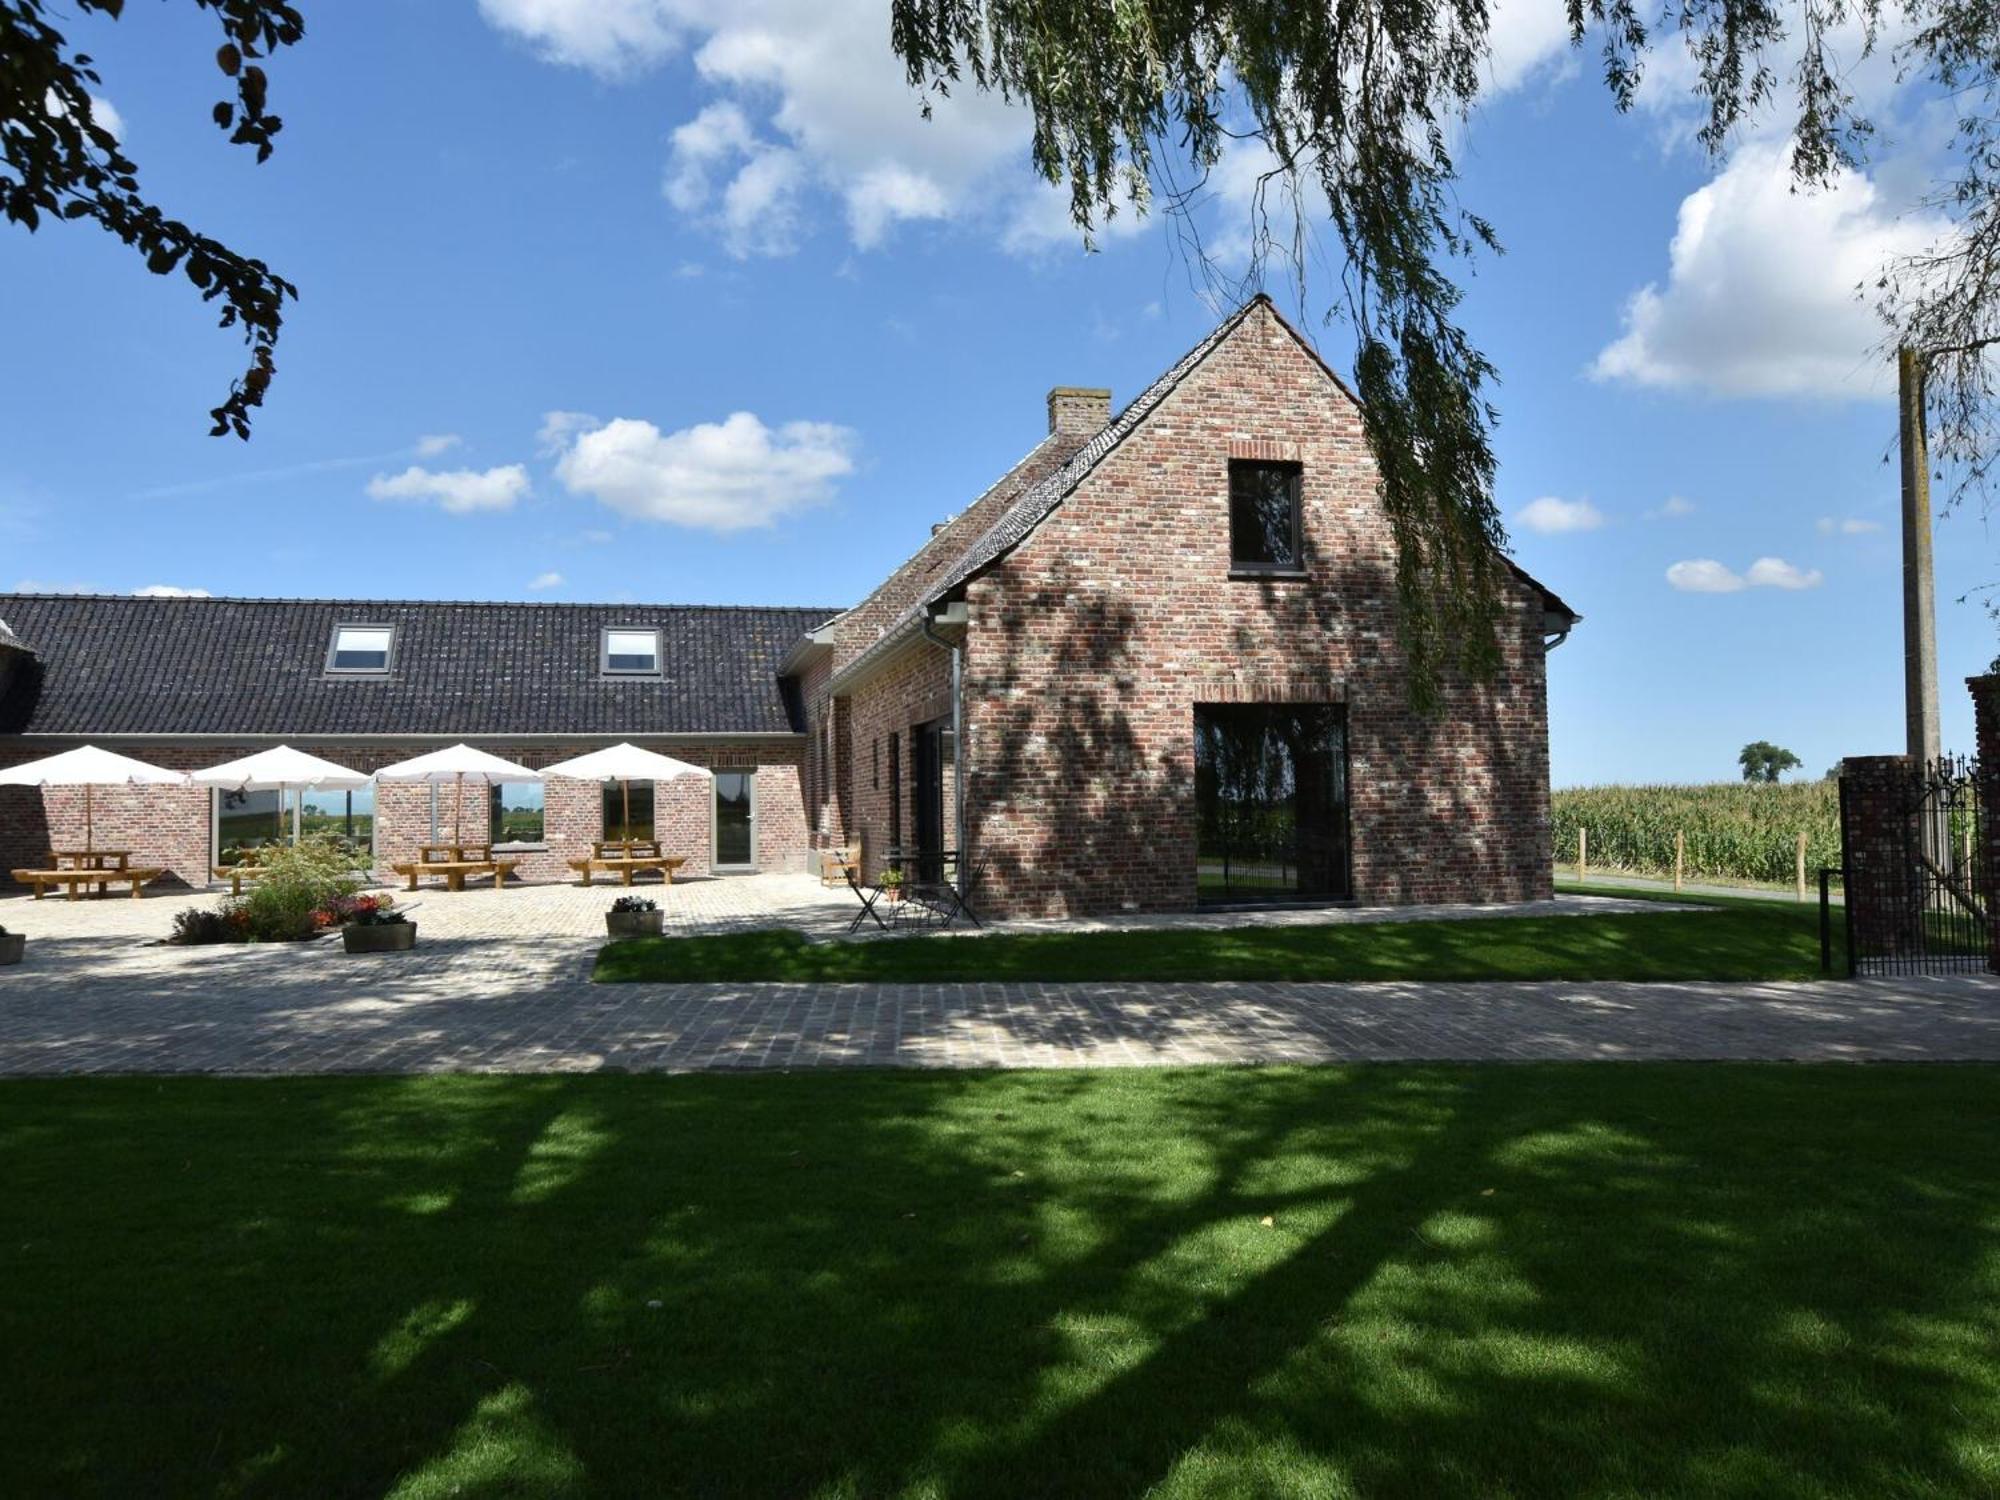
(631, 651)
(361, 648)
(1264, 534)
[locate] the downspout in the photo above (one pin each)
(957, 650)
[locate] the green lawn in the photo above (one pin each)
(1554, 1280)
(1738, 939)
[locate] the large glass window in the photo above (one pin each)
(247, 821)
(628, 810)
(1271, 801)
(1264, 517)
(347, 815)
(515, 812)
(735, 820)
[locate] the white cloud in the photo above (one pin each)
(1551, 515)
(1673, 509)
(548, 580)
(811, 110)
(1761, 294)
(558, 427)
(102, 112)
(1847, 526)
(612, 37)
(1524, 36)
(170, 591)
(458, 491)
(716, 476)
(1704, 575)
(431, 444)
(1776, 573)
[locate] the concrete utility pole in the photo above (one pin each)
(1920, 679)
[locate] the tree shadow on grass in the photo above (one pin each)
(1718, 1280)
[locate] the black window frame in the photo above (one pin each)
(333, 667)
(604, 666)
(1256, 568)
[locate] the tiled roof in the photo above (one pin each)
(122, 665)
(8, 638)
(1033, 505)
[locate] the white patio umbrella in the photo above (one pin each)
(624, 764)
(281, 770)
(90, 768)
(454, 766)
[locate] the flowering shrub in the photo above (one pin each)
(634, 903)
(227, 923)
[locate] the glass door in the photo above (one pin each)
(1271, 802)
(735, 820)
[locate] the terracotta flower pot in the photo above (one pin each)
(381, 937)
(12, 946)
(635, 924)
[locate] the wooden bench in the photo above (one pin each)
(237, 874)
(627, 866)
(454, 871)
(41, 880)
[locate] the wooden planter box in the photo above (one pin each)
(634, 924)
(383, 937)
(12, 946)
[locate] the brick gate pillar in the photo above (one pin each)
(1986, 728)
(1878, 817)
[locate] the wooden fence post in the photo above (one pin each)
(1680, 858)
(1802, 864)
(1582, 855)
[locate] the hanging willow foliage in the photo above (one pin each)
(1352, 103)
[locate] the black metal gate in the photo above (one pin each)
(1916, 884)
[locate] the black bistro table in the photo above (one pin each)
(932, 894)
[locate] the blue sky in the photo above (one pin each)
(680, 301)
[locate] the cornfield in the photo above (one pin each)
(1735, 830)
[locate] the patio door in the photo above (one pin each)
(1271, 802)
(735, 820)
(934, 770)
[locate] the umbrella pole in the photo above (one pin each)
(458, 810)
(89, 837)
(625, 791)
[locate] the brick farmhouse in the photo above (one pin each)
(1155, 664)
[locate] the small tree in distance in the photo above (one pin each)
(1763, 761)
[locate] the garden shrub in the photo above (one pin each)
(210, 924)
(303, 887)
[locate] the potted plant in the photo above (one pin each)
(634, 917)
(373, 925)
(12, 946)
(892, 883)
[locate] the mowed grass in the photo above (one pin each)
(1384, 1281)
(1740, 939)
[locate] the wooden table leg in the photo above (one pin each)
(454, 880)
(135, 890)
(627, 873)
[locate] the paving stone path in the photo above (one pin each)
(479, 994)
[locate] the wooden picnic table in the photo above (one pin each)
(449, 853)
(236, 875)
(454, 871)
(626, 866)
(75, 879)
(625, 849)
(89, 859)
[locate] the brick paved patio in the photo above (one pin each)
(499, 982)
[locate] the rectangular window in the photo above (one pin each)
(633, 651)
(361, 648)
(248, 821)
(628, 810)
(875, 764)
(1264, 517)
(895, 791)
(515, 812)
(1270, 782)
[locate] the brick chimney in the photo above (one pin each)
(1081, 409)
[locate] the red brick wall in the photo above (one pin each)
(912, 690)
(1090, 645)
(169, 826)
